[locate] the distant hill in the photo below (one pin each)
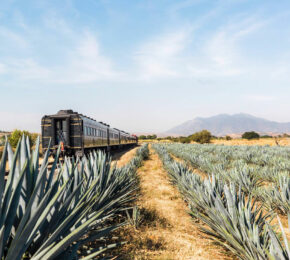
(224, 124)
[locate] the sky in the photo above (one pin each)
(143, 66)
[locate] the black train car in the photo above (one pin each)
(78, 133)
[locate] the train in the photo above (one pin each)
(78, 134)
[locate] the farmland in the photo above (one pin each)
(245, 188)
(66, 211)
(157, 201)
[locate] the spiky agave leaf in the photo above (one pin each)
(43, 212)
(232, 219)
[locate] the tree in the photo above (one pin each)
(184, 140)
(16, 135)
(151, 137)
(266, 136)
(202, 137)
(251, 135)
(142, 137)
(228, 138)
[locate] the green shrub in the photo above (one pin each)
(266, 136)
(184, 140)
(228, 138)
(151, 137)
(251, 135)
(17, 134)
(202, 137)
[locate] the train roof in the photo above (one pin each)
(69, 112)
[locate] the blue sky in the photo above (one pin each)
(143, 66)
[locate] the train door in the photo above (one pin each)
(61, 131)
(108, 136)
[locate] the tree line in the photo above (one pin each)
(205, 136)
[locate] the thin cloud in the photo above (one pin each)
(86, 63)
(2, 68)
(260, 98)
(159, 57)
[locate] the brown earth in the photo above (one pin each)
(166, 231)
(238, 141)
(123, 157)
(261, 141)
(202, 174)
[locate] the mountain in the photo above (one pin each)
(224, 124)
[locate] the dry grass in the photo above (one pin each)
(237, 141)
(262, 141)
(123, 158)
(195, 170)
(167, 231)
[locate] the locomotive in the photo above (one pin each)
(78, 134)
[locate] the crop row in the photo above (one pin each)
(260, 171)
(51, 213)
(232, 216)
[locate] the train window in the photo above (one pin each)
(85, 130)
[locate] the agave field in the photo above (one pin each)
(262, 171)
(244, 190)
(52, 213)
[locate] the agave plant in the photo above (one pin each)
(44, 213)
(234, 220)
(277, 250)
(278, 197)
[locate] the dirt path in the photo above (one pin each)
(167, 231)
(195, 170)
(126, 157)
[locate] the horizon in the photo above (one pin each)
(166, 132)
(143, 66)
